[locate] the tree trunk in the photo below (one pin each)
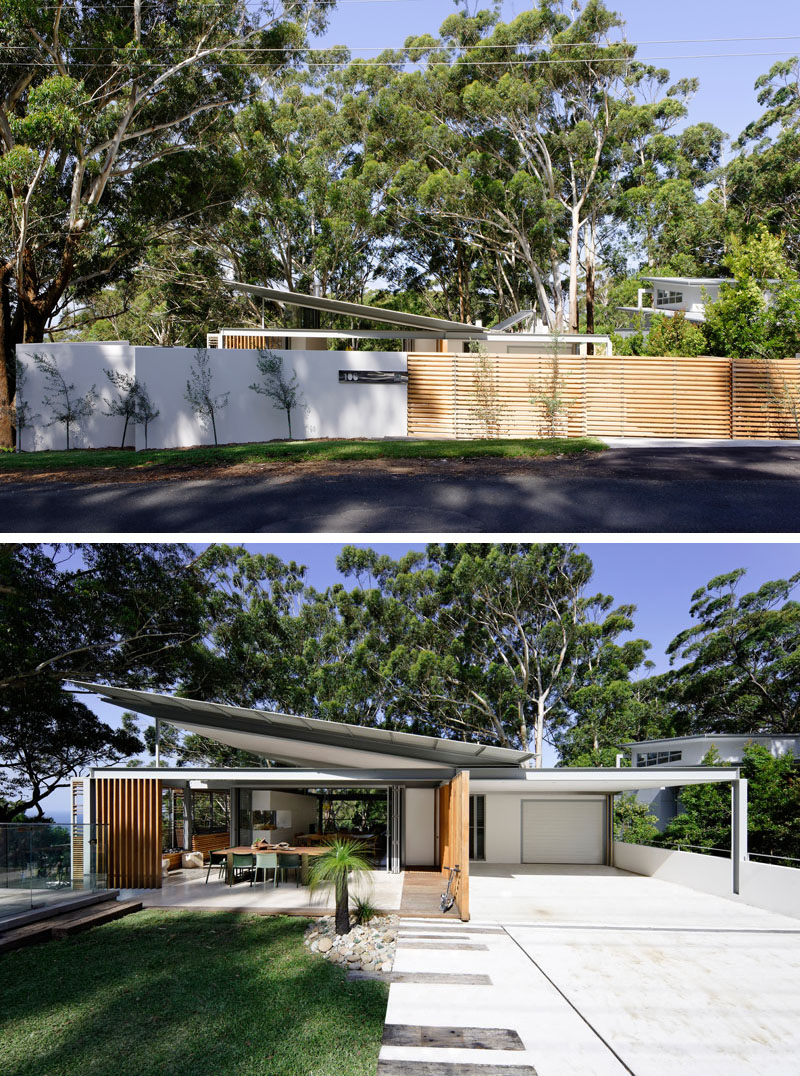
(539, 733)
(591, 254)
(574, 234)
(343, 909)
(8, 379)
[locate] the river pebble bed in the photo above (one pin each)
(370, 947)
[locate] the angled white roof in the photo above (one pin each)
(307, 741)
(357, 310)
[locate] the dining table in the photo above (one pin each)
(305, 851)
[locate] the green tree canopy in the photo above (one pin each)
(741, 670)
(113, 122)
(130, 613)
(773, 807)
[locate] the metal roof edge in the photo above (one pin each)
(361, 310)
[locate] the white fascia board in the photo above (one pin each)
(272, 777)
(607, 781)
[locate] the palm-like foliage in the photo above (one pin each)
(341, 857)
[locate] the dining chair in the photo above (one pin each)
(243, 863)
(288, 861)
(266, 861)
(220, 861)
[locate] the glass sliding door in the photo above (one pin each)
(245, 816)
(477, 827)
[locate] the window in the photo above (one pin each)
(668, 298)
(477, 827)
(658, 758)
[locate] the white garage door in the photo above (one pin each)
(563, 831)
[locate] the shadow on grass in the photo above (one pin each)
(176, 992)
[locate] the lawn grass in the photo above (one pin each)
(186, 993)
(297, 451)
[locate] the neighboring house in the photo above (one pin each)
(521, 334)
(680, 751)
(448, 802)
(670, 295)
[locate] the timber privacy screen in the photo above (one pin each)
(621, 396)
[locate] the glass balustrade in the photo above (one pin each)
(42, 863)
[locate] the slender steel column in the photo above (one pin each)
(738, 829)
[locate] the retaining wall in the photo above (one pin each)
(774, 888)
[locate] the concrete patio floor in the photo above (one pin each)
(187, 889)
(603, 972)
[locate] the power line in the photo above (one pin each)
(476, 45)
(518, 61)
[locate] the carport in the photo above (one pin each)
(565, 816)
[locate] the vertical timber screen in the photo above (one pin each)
(454, 835)
(131, 808)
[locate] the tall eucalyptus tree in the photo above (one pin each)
(104, 107)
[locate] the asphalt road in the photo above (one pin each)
(678, 489)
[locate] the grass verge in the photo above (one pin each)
(296, 451)
(186, 993)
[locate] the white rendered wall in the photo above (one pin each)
(420, 807)
(503, 828)
(334, 409)
(347, 409)
(776, 889)
(303, 809)
(503, 823)
(82, 365)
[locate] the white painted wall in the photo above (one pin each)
(776, 889)
(503, 814)
(419, 830)
(82, 365)
(503, 826)
(334, 409)
(731, 748)
(302, 812)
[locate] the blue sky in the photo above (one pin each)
(726, 96)
(659, 578)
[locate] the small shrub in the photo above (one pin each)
(66, 408)
(285, 393)
(363, 910)
(199, 393)
(488, 408)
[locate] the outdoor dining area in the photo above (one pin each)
(256, 863)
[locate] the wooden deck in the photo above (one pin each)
(422, 891)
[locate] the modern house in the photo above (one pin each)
(447, 802)
(677, 752)
(522, 333)
(670, 295)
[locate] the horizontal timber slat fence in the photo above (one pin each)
(472, 396)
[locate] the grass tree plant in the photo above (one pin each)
(341, 858)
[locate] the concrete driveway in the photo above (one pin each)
(593, 970)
